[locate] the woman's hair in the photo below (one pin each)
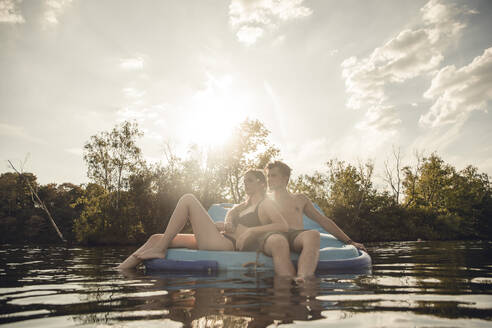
(258, 174)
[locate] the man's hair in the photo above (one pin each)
(282, 167)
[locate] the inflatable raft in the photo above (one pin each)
(334, 255)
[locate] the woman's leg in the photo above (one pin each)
(132, 261)
(206, 234)
(181, 240)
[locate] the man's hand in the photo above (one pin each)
(229, 227)
(357, 245)
(225, 227)
(220, 226)
(241, 240)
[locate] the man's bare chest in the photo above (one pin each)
(292, 212)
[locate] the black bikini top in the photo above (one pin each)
(249, 220)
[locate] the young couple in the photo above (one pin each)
(273, 225)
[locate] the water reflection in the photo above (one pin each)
(428, 283)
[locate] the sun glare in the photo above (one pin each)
(214, 112)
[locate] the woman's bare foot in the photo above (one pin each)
(131, 262)
(151, 253)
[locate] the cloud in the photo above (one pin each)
(411, 53)
(252, 17)
(140, 114)
(133, 93)
(437, 139)
(18, 132)
(54, 8)
(249, 34)
(380, 118)
(457, 92)
(132, 63)
(9, 12)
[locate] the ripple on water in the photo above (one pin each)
(77, 298)
(481, 280)
(70, 321)
(409, 286)
(483, 302)
(342, 319)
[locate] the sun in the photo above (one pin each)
(215, 112)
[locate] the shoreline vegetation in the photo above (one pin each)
(129, 199)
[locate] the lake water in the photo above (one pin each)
(412, 284)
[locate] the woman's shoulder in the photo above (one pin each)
(300, 197)
(238, 207)
(267, 202)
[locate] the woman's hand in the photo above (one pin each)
(243, 238)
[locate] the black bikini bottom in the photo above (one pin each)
(253, 244)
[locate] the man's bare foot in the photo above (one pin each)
(150, 254)
(299, 280)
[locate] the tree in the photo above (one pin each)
(94, 222)
(393, 175)
(315, 186)
(248, 147)
(431, 184)
(15, 194)
(410, 178)
(112, 156)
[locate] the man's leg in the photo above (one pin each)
(277, 247)
(307, 244)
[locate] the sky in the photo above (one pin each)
(350, 79)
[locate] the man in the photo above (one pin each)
(292, 207)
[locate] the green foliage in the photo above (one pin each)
(15, 193)
(111, 157)
(22, 221)
(248, 147)
(151, 193)
(439, 202)
(93, 221)
(129, 200)
(59, 201)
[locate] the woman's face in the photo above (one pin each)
(252, 184)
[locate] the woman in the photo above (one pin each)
(245, 225)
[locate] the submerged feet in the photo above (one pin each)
(298, 280)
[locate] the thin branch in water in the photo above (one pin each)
(37, 201)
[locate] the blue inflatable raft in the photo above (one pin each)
(334, 255)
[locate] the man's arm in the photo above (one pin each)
(326, 223)
(269, 211)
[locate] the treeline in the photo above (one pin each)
(430, 200)
(129, 199)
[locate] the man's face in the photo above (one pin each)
(276, 180)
